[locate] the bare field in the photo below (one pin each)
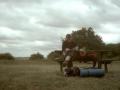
(45, 75)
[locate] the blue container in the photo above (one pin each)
(96, 72)
(84, 72)
(92, 72)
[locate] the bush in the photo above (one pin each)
(6, 56)
(36, 56)
(115, 48)
(54, 54)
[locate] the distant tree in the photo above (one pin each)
(36, 56)
(6, 56)
(54, 54)
(87, 37)
(115, 48)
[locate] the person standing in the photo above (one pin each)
(68, 46)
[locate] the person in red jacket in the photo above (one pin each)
(68, 46)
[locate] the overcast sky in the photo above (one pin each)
(29, 26)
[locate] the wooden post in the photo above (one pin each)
(106, 68)
(61, 66)
(60, 61)
(100, 64)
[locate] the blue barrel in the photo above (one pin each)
(96, 72)
(92, 72)
(84, 72)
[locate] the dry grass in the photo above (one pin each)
(45, 75)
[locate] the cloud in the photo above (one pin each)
(116, 3)
(9, 33)
(109, 38)
(28, 26)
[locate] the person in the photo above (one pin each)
(68, 46)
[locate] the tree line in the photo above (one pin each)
(9, 56)
(83, 37)
(92, 41)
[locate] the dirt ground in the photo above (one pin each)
(45, 75)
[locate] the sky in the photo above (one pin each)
(30, 26)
